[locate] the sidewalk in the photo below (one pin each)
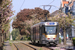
(7, 46)
(68, 43)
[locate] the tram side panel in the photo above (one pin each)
(41, 38)
(35, 33)
(57, 34)
(39, 34)
(32, 34)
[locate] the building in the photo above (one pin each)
(69, 6)
(63, 2)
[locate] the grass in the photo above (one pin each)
(73, 38)
(40, 49)
(57, 49)
(10, 42)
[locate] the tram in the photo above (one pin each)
(45, 32)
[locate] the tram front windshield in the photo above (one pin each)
(50, 29)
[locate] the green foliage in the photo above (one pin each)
(5, 13)
(60, 40)
(73, 39)
(63, 20)
(57, 49)
(24, 37)
(10, 43)
(40, 49)
(15, 34)
(29, 38)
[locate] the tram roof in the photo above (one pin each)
(46, 23)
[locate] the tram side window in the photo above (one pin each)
(43, 29)
(57, 28)
(37, 30)
(34, 30)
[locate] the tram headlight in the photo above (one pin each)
(54, 38)
(48, 38)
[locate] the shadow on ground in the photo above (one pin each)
(40, 45)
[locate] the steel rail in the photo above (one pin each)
(16, 46)
(29, 46)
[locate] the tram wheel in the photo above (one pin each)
(33, 42)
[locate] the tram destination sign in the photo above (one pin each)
(51, 23)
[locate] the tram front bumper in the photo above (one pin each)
(50, 42)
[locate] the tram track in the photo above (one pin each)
(15, 46)
(21, 46)
(38, 47)
(43, 47)
(28, 46)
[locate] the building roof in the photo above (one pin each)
(54, 13)
(57, 13)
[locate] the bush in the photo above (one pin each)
(60, 40)
(29, 38)
(73, 39)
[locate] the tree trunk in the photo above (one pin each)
(2, 38)
(64, 37)
(1, 47)
(5, 36)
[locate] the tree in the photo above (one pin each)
(5, 14)
(64, 21)
(27, 17)
(15, 34)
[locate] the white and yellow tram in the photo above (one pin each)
(45, 33)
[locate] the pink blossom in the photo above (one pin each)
(7, 18)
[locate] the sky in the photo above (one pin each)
(31, 4)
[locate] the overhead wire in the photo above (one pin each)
(48, 5)
(51, 2)
(22, 4)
